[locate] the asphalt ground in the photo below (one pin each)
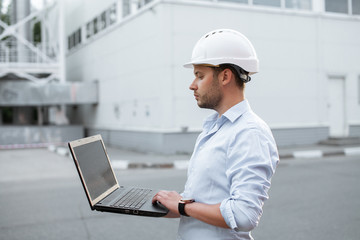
(312, 197)
(41, 197)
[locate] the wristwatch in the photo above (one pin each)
(181, 206)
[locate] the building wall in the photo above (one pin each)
(133, 69)
(144, 88)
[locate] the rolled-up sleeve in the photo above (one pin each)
(251, 162)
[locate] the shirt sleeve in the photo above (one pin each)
(252, 159)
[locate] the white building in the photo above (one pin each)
(307, 90)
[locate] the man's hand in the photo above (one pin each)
(204, 212)
(170, 200)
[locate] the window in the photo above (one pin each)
(89, 29)
(272, 3)
(74, 39)
(141, 3)
(337, 6)
(299, 4)
(103, 20)
(69, 42)
(19, 115)
(77, 37)
(100, 22)
(95, 25)
(342, 6)
(126, 8)
(7, 115)
(72, 42)
(235, 1)
(356, 7)
(112, 14)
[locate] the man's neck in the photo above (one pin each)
(229, 103)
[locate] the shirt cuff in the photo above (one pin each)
(228, 215)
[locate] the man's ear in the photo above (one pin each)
(226, 76)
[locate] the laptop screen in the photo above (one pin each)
(95, 168)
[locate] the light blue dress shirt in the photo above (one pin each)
(233, 161)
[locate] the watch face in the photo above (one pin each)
(187, 200)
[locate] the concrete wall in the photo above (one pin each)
(183, 142)
(133, 68)
(147, 141)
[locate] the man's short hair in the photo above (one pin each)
(239, 81)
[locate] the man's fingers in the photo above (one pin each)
(158, 196)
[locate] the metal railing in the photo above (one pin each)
(13, 51)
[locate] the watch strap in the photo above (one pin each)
(181, 208)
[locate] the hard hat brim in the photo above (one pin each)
(209, 62)
(188, 65)
(254, 68)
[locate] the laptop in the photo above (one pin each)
(101, 186)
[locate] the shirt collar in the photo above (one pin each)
(231, 114)
(237, 110)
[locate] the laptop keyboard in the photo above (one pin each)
(134, 199)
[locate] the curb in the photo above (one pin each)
(124, 164)
(183, 164)
(29, 145)
(350, 151)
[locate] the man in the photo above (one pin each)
(235, 156)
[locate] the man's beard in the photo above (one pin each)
(212, 98)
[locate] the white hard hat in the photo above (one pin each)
(225, 46)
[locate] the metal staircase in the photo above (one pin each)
(40, 60)
(33, 88)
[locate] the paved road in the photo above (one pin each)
(313, 199)
(41, 198)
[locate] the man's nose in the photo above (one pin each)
(193, 86)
